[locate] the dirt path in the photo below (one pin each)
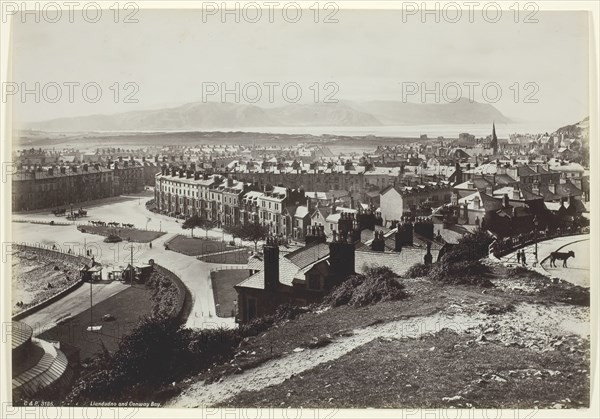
(278, 370)
(534, 326)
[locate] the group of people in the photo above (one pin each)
(522, 258)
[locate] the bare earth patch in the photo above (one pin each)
(434, 371)
(37, 277)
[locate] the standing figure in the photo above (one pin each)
(523, 258)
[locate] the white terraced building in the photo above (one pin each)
(182, 194)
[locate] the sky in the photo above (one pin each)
(175, 57)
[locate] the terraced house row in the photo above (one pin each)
(35, 187)
(182, 192)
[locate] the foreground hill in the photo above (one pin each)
(523, 343)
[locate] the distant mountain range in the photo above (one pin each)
(212, 115)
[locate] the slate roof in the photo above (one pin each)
(289, 265)
(505, 179)
(525, 171)
(579, 206)
(453, 233)
(530, 196)
(297, 263)
(479, 183)
(301, 211)
(490, 203)
(307, 255)
(567, 190)
(547, 194)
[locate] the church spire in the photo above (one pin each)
(494, 143)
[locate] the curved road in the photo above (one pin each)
(193, 273)
(578, 271)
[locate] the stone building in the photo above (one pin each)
(47, 187)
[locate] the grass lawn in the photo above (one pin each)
(408, 373)
(196, 246)
(223, 291)
(127, 307)
(239, 256)
(129, 234)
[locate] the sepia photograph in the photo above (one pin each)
(299, 209)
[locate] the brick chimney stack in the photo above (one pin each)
(341, 259)
(271, 264)
(378, 243)
(404, 235)
(315, 234)
(424, 227)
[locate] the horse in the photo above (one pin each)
(554, 256)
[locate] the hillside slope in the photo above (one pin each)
(523, 343)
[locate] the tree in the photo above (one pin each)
(253, 232)
(193, 222)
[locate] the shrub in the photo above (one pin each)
(472, 246)
(165, 295)
(261, 324)
(157, 352)
(461, 264)
(256, 326)
(418, 270)
(523, 272)
(461, 273)
(377, 284)
(342, 294)
(210, 346)
(288, 312)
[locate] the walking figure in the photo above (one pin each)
(519, 257)
(523, 258)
